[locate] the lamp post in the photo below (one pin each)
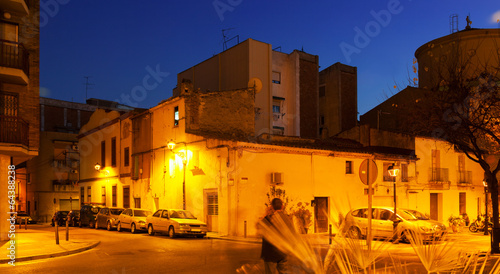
(97, 167)
(485, 184)
(171, 146)
(393, 172)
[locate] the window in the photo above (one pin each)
(276, 108)
(89, 194)
(126, 157)
(348, 167)
(404, 172)
(113, 151)
(213, 203)
(103, 195)
(103, 154)
(176, 116)
(82, 194)
(278, 131)
(321, 120)
(8, 32)
(126, 197)
(157, 213)
(276, 77)
(387, 177)
(135, 171)
(113, 196)
(9, 104)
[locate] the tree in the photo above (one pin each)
(460, 103)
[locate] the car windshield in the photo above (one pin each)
(116, 211)
(95, 210)
(181, 214)
(142, 213)
(418, 215)
(408, 214)
(64, 213)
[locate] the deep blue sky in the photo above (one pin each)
(114, 42)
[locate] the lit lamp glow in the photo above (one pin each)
(183, 155)
(393, 172)
(97, 166)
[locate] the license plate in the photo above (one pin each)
(196, 230)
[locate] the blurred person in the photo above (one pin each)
(273, 258)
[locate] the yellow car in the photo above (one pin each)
(175, 222)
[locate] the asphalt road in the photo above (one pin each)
(123, 252)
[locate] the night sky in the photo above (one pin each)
(120, 43)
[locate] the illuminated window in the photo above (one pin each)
(348, 167)
(176, 116)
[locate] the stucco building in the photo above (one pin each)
(19, 93)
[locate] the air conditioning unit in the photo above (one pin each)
(277, 178)
(74, 147)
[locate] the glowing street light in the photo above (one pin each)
(393, 172)
(97, 166)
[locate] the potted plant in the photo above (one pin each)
(456, 222)
(303, 216)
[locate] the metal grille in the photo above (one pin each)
(213, 204)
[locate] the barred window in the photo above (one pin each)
(9, 104)
(213, 203)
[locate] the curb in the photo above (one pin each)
(52, 255)
(235, 240)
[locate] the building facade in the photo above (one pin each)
(19, 95)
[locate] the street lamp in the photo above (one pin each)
(485, 184)
(171, 146)
(393, 172)
(97, 167)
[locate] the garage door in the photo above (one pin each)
(66, 205)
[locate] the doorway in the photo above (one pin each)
(320, 214)
(436, 205)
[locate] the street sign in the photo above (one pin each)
(363, 171)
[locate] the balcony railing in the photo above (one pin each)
(464, 177)
(438, 175)
(13, 130)
(14, 55)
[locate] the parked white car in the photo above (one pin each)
(356, 224)
(133, 219)
(175, 222)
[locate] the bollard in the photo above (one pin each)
(245, 229)
(67, 230)
(57, 233)
(330, 234)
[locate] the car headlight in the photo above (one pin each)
(183, 226)
(425, 228)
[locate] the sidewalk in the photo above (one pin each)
(37, 243)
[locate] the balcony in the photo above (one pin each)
(438, 175)
(13, 130)
(17, 6)
(464, 178)
(14, 63)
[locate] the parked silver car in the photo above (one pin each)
(175, 222)
(133, 220)
(356, 224)
(108, 217)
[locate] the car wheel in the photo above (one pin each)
(403, 238)
(52, 224)
(473, 228)
(171, 232)
(354, 232)
(119, 227)
(132, 228)
(151, 231)
(108, 226)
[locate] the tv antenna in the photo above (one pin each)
(227, 39)
(87, 86)
(453, 23)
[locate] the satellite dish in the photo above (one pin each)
(256, 84)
